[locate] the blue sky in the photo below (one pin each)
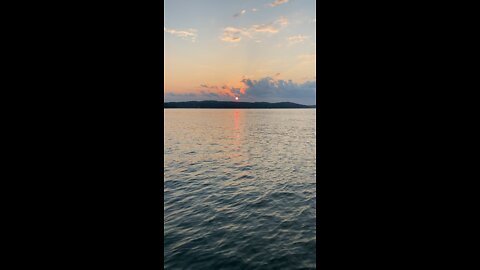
(219, 49)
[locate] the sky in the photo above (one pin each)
(257, 50)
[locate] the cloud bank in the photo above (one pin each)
(263, 90)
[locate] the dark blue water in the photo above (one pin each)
(240, 189)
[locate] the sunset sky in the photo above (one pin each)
(258, 50)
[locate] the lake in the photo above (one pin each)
(240, 189)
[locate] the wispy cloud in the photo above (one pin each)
(283, 21)
(273, 27)
(234, 34)
(240, 13)
(190, 34)
(278, 3)
(205, 92)
(231, 39)
(266, 28)
(254, 10)
(297, 39)
(208, 86)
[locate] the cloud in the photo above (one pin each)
(265, 28)
(278, 3)
(208, 86)
(231, 39)
(254, 10)
(240, 13)
(190, 34)
(234, 34)
(272, 90)
(263, 90)
(222, 93)
(174, 97)
(297, 39)
(273, 27)
(282, 21)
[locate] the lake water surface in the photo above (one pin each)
(239, 189)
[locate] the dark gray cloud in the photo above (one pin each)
(269, 89)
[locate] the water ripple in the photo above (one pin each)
(239, 189)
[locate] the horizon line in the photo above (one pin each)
(211, 100)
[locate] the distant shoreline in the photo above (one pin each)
(210, 104)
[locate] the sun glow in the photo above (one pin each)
(236, 98)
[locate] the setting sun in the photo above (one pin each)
(236, 98)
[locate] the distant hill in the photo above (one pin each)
(210, 104)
